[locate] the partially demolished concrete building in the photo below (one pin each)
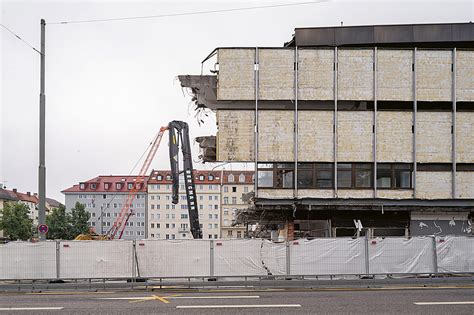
(353, 129)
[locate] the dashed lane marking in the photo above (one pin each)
(445, 303)
(239, 306)
(31, 308)
(218, 297)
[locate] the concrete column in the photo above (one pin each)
(415, 109)
(453, 93)
(256, 66)
(375, 122)
(335, 141)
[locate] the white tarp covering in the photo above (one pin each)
(249, 257)
(96, 259)
(173, 258)
(327, 256)
(399, 255)
(22, 260)
(455, 254)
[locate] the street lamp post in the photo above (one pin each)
(42, 164)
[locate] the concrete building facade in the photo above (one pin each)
(344, 124)
(104, 197)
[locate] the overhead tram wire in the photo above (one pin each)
(21, 39)
(190, 13)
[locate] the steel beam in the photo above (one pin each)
(453, 149)
(415, 109)
(335, 122)
(375, 123)
(256, 68)
(295, 126)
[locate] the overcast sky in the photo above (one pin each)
(111, 85)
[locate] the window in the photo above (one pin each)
(167, 236)
(209, 225)
(394, 176)
(153, 225)
(167, 207)
(173, 225)
(106, 186)
(215, 236)
(234, 200)
(167, 225)
(167, 197)
(229, 233)
(168, 177)
(184, 216)
(93, 186)
(216, 207)
(226, 200)
(152, 207)
(172, 216)
(209, 236)
(201, 177)
(211, 177)
(216, 216)
(82, 186)
(246, 189)
(242, 178)
(210, 198)
(210, 207)
(210, 216)
(230, 178)
(354, 175)
(201, 207)
(167, 215)
(93, 214)
(239, 234)
(234, 189)
(158, 207)
(226, 211)
(159, 177)
(118, 186)
(226, 222)
(216, 197)
(226, 189)
(130, 185)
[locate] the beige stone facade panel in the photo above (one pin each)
(355, 136)
(315, 193)
(235, 136)
(275, 193)
(465, 137)
(465, 75)
(433, 185)
(394, 75)
(275, 136)
(434, 138)
(394, 136)
(315, 74)
(315, 136)
(355, 193)
(465, 185)
(394, 194)
(276, 74)
(433, 75)
(355, 74)
(236, 79)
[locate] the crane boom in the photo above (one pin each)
(123, 215)
(179, 132)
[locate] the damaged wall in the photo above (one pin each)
(235, 136)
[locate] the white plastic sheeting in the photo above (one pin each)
(400, 255)
(21, 260)
(96, 259)
(249, 257)
(173, 258)
(455, 254)
(327, 256)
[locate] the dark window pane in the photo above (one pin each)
(324, 179)
(384, 176)
(402, 179)
(405, 166)
(305, 165)
(285, 165)
(265, 179)
(305, 178)
(363, 165)
(344, 179)
(284, 179)
(344, 166)
(363, 178)
(325, 165)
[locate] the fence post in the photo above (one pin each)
(134, 261)
(367, 262)
(211, 258)
(288, 270)
(435, 255)
(58, 259)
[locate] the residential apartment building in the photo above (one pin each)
(349, 125)
(219, 194)
(105, 196)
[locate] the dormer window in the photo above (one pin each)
(159, 177)
(168, 177)
(230, 178)
(130, 185)
(242, 178)
(138, 185)
(106, 186)
(211, 177)
(82, 186)
(201, 177)
(118, 186)
(93, 186)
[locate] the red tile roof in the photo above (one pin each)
(202, 177)
(108, 184)
(18, 196)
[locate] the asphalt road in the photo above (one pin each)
(237, 301)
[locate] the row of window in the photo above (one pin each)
(183, 207)
(201, 177)
(349, 175)
(107, 186)
(104, 196)
(183, 197)
(168, 187)
(115, 214)
(115, 205)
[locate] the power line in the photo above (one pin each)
(191, 13)
(21, 39)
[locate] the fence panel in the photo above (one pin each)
(455, 254)
(173, 258)
(327, 256)
(95, 259)
(249, 257)
(22, 260)
(399, 255)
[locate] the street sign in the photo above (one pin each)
(43, 228)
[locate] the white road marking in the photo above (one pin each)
(444, 303)
(126, 298)
(30, 308)
(216, 297)
(240, 306)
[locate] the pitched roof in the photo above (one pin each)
(108, 183)
(27, 197)
(203, 177)
(53, 203)
(7, 195)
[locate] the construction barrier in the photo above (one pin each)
(244, 257)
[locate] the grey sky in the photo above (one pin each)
(110, 86)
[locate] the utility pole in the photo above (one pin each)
(42, 164)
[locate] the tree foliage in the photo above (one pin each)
(15, 221)
(66, 226)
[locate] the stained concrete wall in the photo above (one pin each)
(433, 75)
(315, 74)
(434, 138)
(275, 193)
(315, 193)
(315, 136)
(465, 75)
(276, 74)
(236, 80)
(433, 185)
(235, 136)
(394, 194)
(394, 137)
(465, 137)
(394, 75)
(355, 193)
(355, 74)
(275, 135)
(465, 185)
(355, 136)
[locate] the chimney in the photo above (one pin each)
(14, 190)
(28, 193)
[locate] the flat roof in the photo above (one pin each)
(447, 35)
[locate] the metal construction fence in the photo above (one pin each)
(244, 257)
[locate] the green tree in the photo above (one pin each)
(15, 221)
(78, 220)
(59, 223)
